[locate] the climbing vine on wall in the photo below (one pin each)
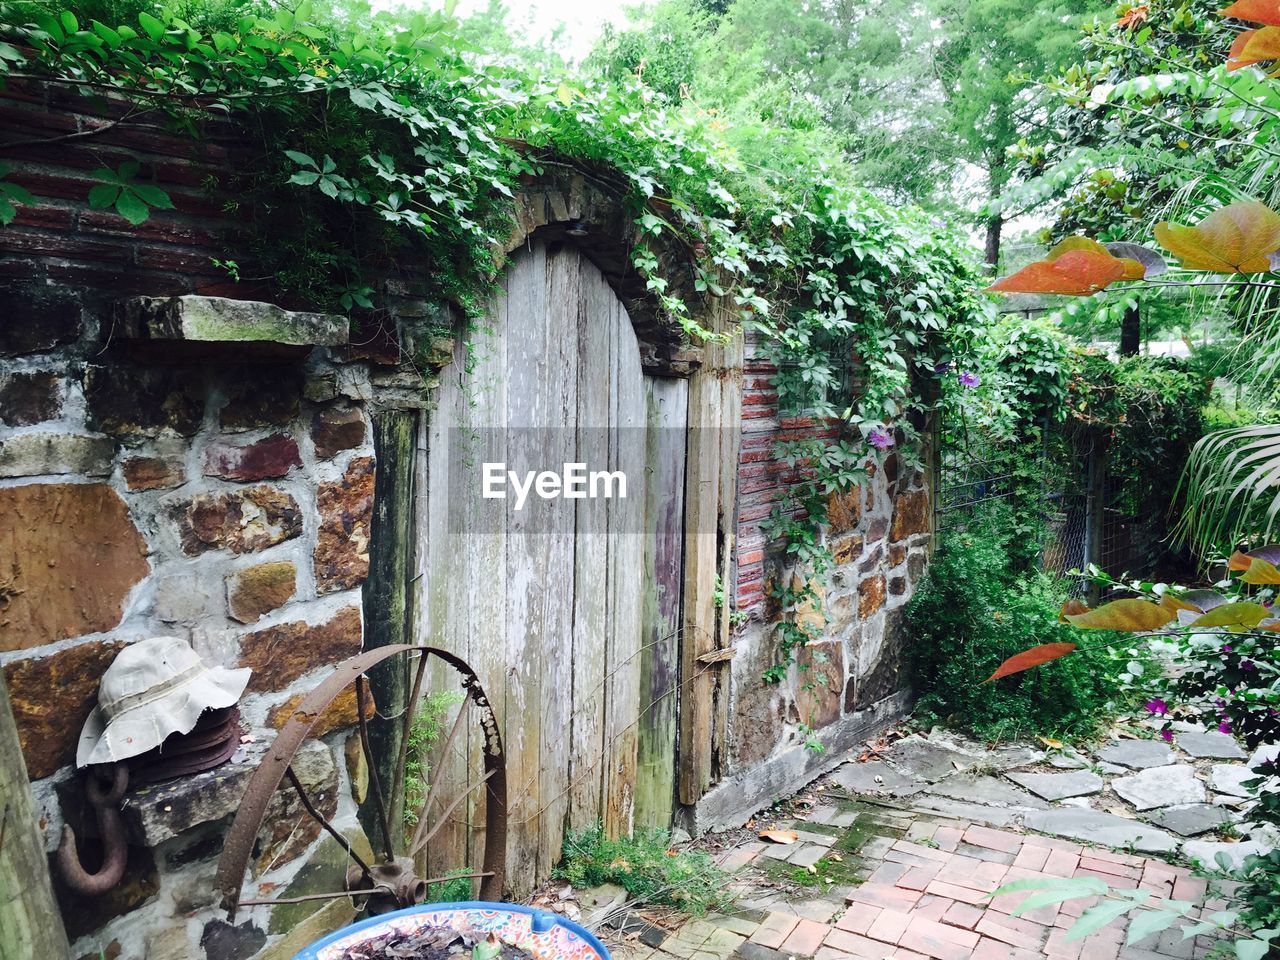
(382, 134)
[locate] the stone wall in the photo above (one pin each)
(220, 492)
(850, 683)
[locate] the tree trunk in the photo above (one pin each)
(1131, 331)
(994, 226)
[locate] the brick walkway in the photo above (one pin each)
(923, 894)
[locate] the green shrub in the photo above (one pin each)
(971, 613)
(646, 867)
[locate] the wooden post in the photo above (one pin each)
(30, 925)
(714, 408)
(386, 598)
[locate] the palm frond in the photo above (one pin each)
(1230, 489)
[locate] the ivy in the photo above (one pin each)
(380, 135)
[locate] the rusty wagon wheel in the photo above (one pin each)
(392, 880)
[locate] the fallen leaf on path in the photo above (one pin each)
(779, 836)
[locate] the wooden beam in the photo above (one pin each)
(30, 925)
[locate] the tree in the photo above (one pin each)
(989, 51)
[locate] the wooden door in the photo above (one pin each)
(569, 610)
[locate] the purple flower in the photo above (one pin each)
(942, 367)
(880, 438)
(1224, 727)
(1226, 648)
(1166, 735)
(1247, 665)
(1158, 707)
(969, 379)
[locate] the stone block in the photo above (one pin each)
(844, 509)
(339, 714)
(820, 683)
(30, 397)
(871, 595)
(90, 555)
(254, 591)
(266, 459)
(346, 515)
(38, 316)
(1160, 787)
(281, 654)
(333, 431)
(154, 473)
(243, 522)
(262, 396)
(1106, 829)
(195, 319)
(186, 599)
(897, 586)
(911, 515)
(55, 454)
(51, 697)
(1137, 754)
(1212, 745)
(846, 548)
(897, 554)
(1059, 786)
(133, 403)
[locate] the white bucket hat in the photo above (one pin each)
(153, 688)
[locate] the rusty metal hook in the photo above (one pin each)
(115, 851)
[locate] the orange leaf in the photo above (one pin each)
(1233, 239)
(1034, 657)
(1261, 572)
(1135, 615)
(1170, 602)
(1255, 11)
(1072, 608)
(1073, 273)
(1133, 18)
(1254, 46)
(1239, 561)
(779, 836)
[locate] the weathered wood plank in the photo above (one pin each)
(704, 474)
(667, 412)
(564, 306)
(30, 925)
(591, 599)
(626, 577)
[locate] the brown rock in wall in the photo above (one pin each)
(820, 683)
(845, 549)
(51, 698)
(897, 554)
(844, 509)
(911, 515)
(346, 515)
(30, 397)
(871, 595)
(262, 396)
(266, 459)
(243, 522)
(69, 555)
(257, 590)
(336, 430)
(38, 317)
(341, 713)
(153, 473)
(132, 403)
(280, 655)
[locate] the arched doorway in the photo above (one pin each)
(568, 608)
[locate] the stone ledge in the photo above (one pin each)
(162, 811)
(218, 320)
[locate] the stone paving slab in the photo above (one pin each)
(923, 759)
(1104, 828)
(1191, 820)
(1212, 746)
(1161, 787)
(1137, 754)
(1059, 786)
(875, 776)
(988, 791)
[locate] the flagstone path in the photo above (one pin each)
(896, 856)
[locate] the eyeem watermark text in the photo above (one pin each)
(573, 482)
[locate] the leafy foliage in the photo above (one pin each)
(646, 867)
(971, 614)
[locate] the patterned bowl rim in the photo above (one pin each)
(548, 919)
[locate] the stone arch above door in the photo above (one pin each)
(546, 208)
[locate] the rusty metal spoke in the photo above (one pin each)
(445, 751)
(323, 821)
(419, 844)
(375, 781)
(411, 711)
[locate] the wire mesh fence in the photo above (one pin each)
(1086, 506)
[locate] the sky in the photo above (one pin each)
(583, 18)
